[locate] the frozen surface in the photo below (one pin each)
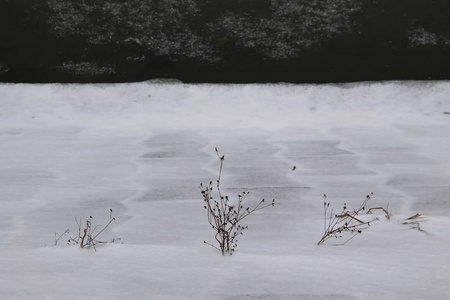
(142, 149)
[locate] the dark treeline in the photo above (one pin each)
(224, 40)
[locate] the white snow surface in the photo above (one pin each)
(142, 149)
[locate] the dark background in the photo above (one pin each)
(224, 41)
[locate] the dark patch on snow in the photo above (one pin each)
(224, 40)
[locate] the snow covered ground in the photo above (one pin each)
(142, 149)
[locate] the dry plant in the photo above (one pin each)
(415, 221)
(88, 234)
(58, 237)
(347, 221)
(387, 212)
(224, 216)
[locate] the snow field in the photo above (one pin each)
(142, 149)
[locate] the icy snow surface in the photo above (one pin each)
(142, 149)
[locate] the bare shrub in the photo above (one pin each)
(225, 216)
(88, 234)
(347, 221)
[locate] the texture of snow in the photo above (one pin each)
(142, 149)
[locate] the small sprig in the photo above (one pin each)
(345, 221)
(87, 235)
(57, 238)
